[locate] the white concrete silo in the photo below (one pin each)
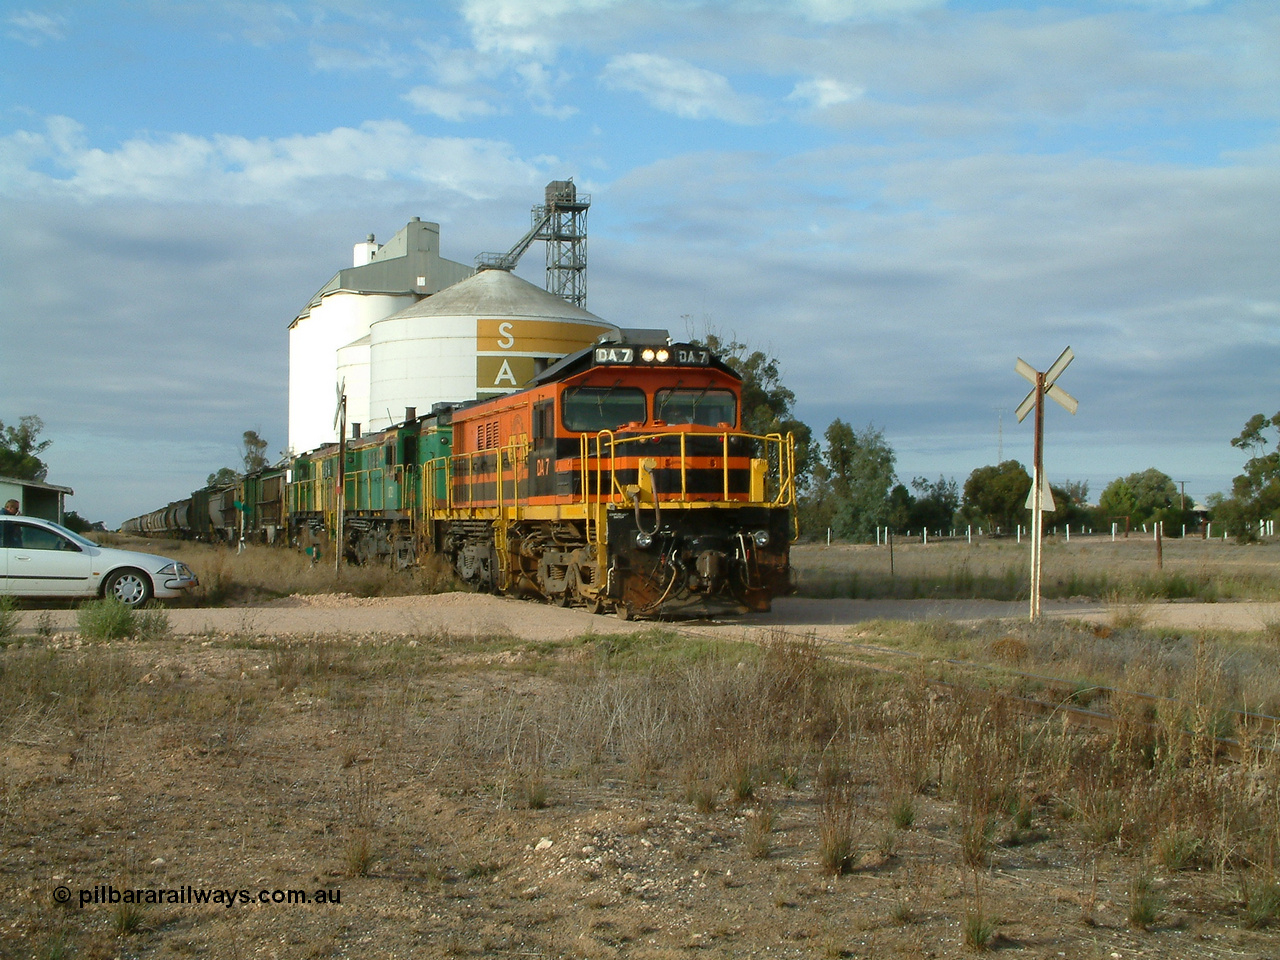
(484, 336)
(325, 335)
(353, 370)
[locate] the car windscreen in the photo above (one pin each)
(72, 535)
(706, 407)
(602, 408)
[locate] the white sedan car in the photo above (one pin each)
(43, 559)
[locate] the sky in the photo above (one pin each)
(896, 198)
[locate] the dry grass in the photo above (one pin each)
(468, 801)
(1218, 672)
(1124, 571)
(266, 572)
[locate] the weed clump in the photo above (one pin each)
(358, 856)
(1145, 902)
(979, 930)
(109, 619)
(836, 841)
(8, 617)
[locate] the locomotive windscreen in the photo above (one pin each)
(708, 408)
(603, 408)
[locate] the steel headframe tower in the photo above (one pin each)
(561, 221)
(566, 216)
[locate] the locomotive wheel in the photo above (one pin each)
(595, 605)
(623, 611)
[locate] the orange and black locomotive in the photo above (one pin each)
(619, 479)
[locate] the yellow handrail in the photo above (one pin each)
(607, 446)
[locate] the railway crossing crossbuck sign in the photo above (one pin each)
(1042, 385)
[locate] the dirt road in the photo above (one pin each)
(460, 614)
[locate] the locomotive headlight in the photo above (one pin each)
(644, 540)
(647, 355)
(761, 537)
(663, 356)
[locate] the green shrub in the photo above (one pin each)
(1262, 906)
(979, 930)
(1145, 902)
(107, 619)
(152, 623)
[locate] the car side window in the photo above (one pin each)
(9, 537)
(38, 538)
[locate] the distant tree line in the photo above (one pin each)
(847, 481)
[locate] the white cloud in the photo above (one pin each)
(821, 93)
(265, 23)
(540, 86)
(380, 57)
(447, 104)
(34, 29)
(835, 11)
(237, 170)
(528, 29)
(678, 87)
(1164, 5)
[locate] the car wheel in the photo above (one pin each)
(131, 587)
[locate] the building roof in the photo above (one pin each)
(497, 293)
(37, 485)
